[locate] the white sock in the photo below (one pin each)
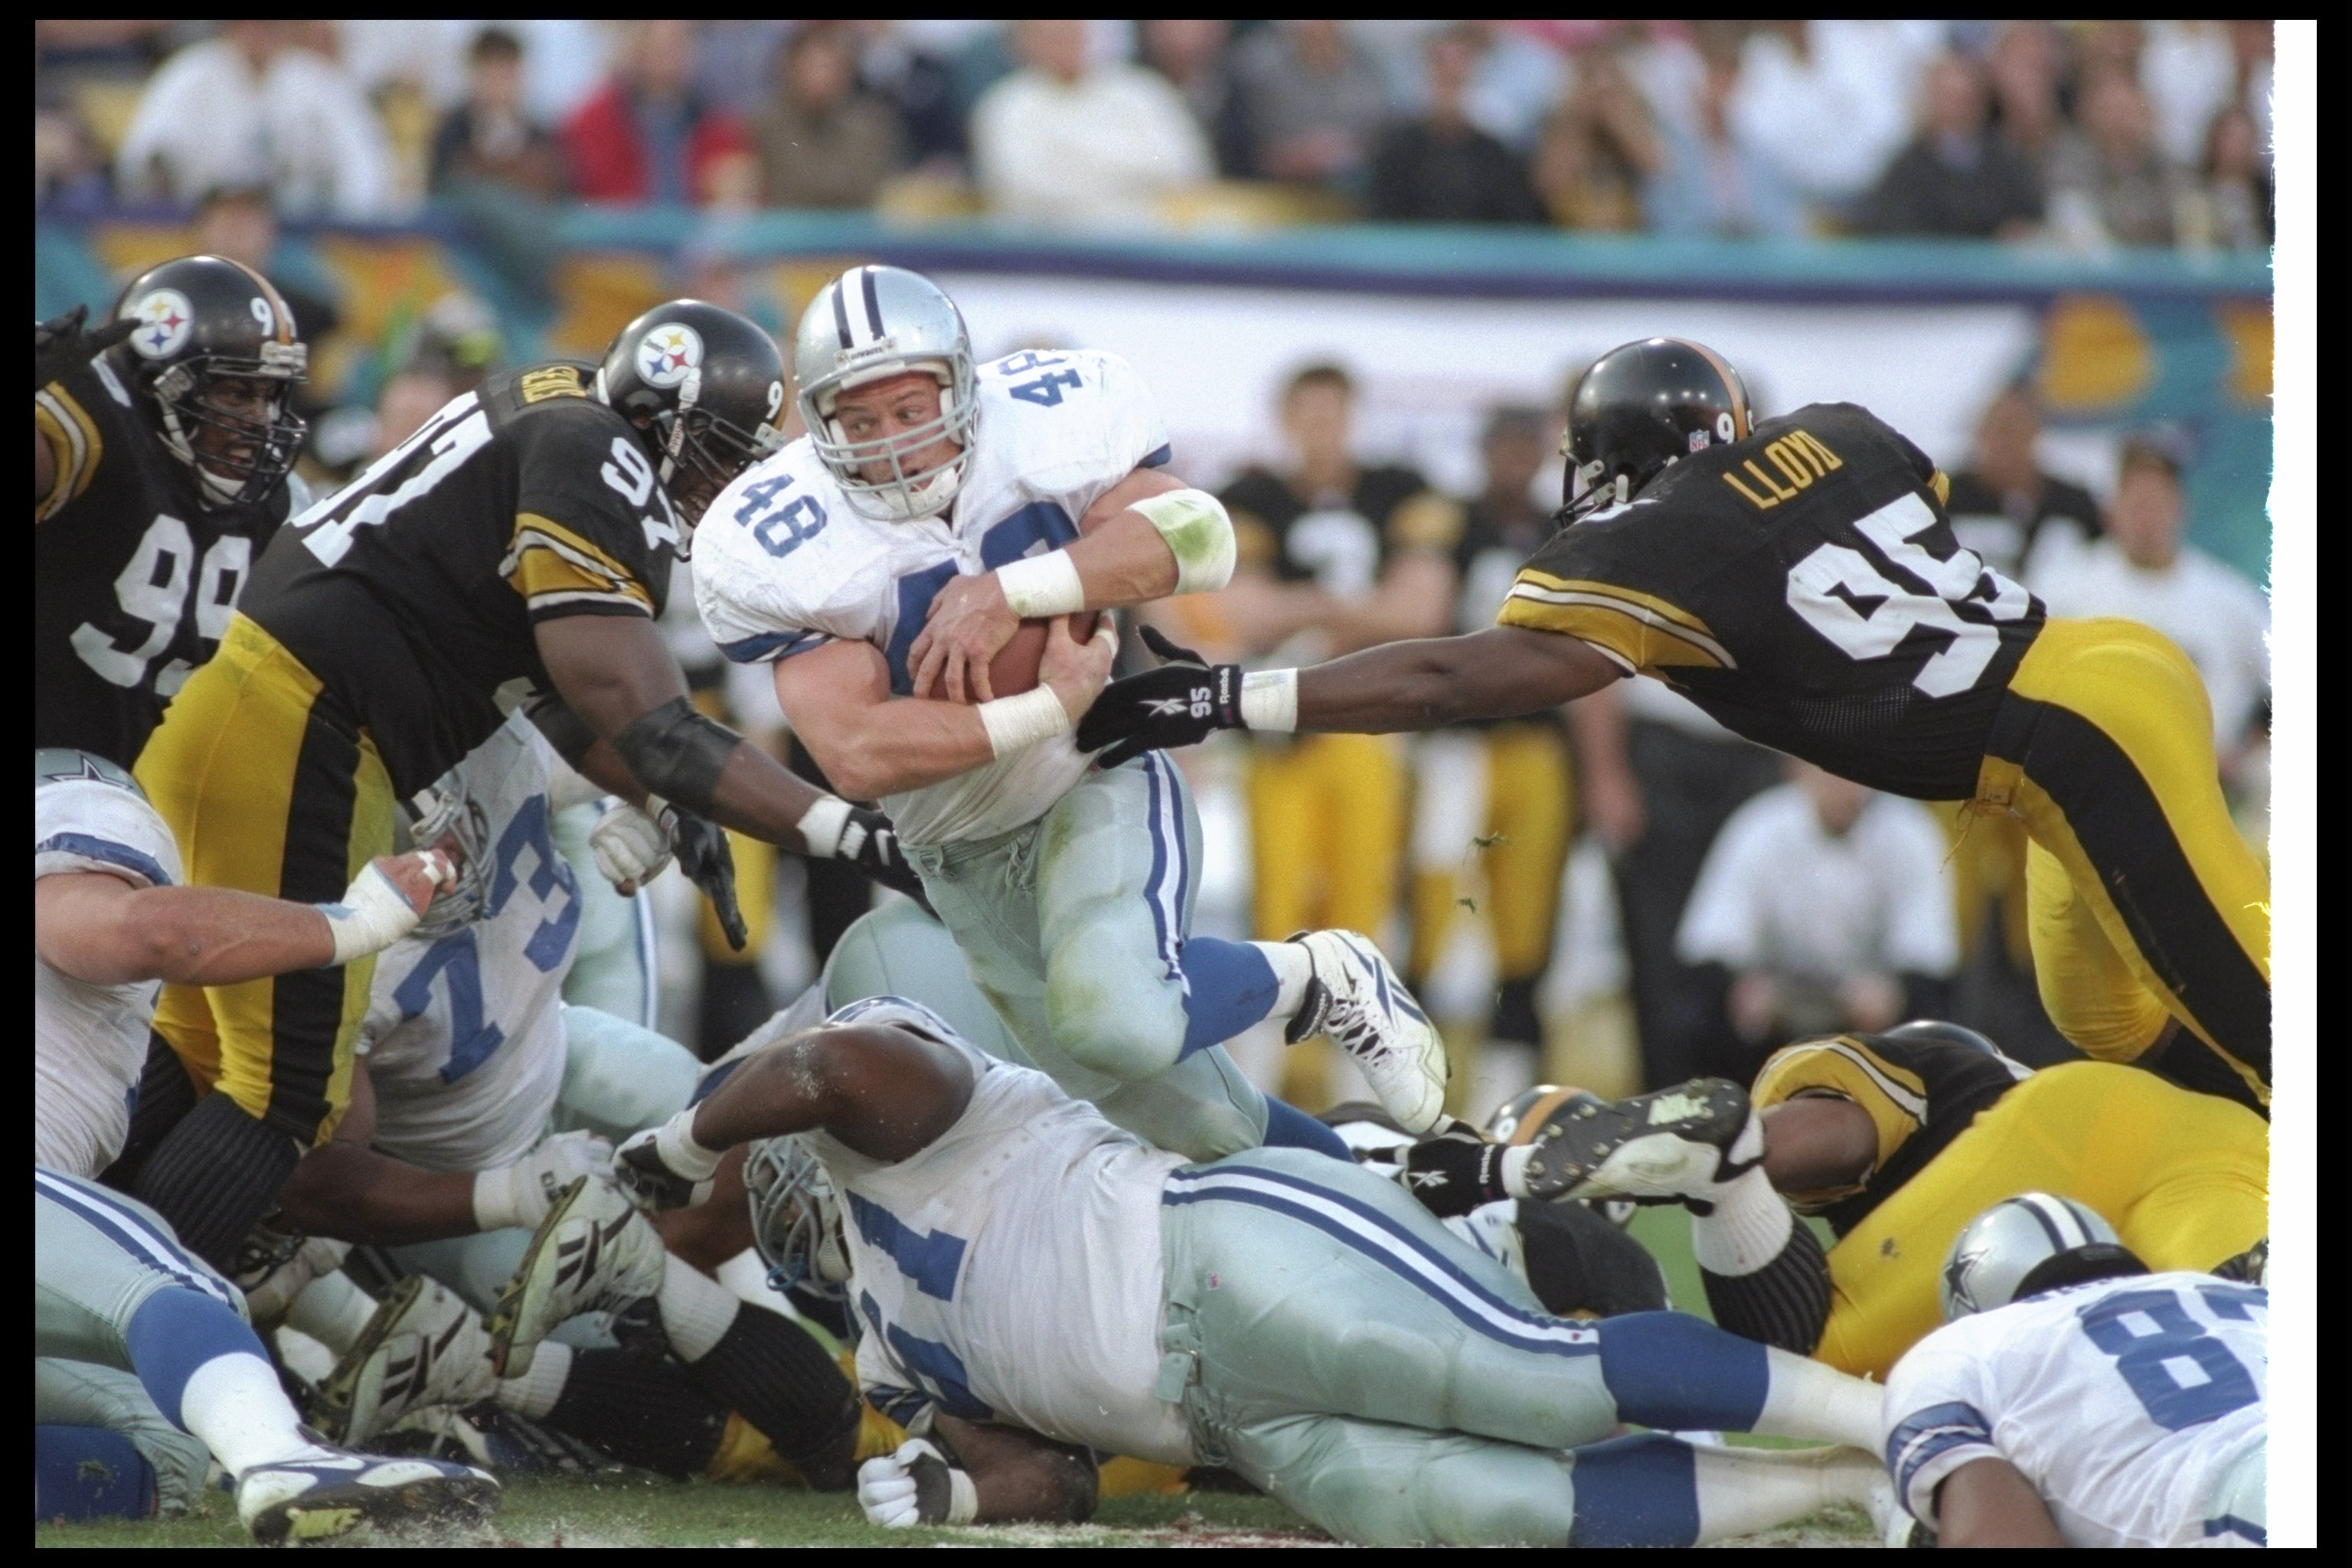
(1747, 1228)
(534, 1394)
(1807, 1399)
(1292, 970)
(696, 1310)
(1745, 1489)
(333, 1310)
(236, 1407)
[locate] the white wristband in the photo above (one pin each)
(676, 1144)
(1270, 700)
(1513, 1171)
(1017, 723)
(1041, 586)
(963, 1498)
(821, 826)
(373, 915)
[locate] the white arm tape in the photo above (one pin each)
(963, 1498)
(675, 1143)
(373, 915)
(1198, 532)
(821, 826)
(1270, 700)
(1016, 723)
(1040, 585)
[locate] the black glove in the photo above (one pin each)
(701, 846)
(1178, 704)
(60, 346)
(1454, 1169)
(869, 843)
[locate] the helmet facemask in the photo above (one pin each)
(713, 449)
(253, 455)
(900, 496)
(797, 1219)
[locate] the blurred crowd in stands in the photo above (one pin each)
(2084, 134)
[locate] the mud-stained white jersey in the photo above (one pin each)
(2123, 1402)
(783, 565)
(464, 1035)
(89, 1042)
(1012, 1272)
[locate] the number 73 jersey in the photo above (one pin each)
(412, 593)
(1803, 586)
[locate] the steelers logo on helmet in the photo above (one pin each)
(667, 352)
(165, 318)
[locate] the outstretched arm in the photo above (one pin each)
(1989, 1502)
(884, 1091)
(965, 1472)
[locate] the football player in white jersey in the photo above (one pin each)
(934, 506)
(2072, 1398)
(113, 1290)
(1299, 1319)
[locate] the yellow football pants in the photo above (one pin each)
(2144, 900)
(269, 785)
(2183, 1177)
(1327, 833)
(1528, 819)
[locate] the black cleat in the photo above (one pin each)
(1681, 1142)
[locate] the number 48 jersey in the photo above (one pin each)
(1803, 586)
(412, 593)
(136, 575)
(2125, 1402)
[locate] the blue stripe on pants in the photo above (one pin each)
(155, 1247)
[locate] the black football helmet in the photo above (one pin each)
(1642, 407)
(706, 385)
(1944, 1033)
(204, 320)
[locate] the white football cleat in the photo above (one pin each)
(424, 1347)
(318, 1500)
(1357, 999)
(1683, 1142)
(594, 1252)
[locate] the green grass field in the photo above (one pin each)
(611, 1511)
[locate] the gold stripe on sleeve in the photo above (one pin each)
(1636, 635)
(1894, 1098)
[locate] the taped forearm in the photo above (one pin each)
(678, 754)
(1198, 534)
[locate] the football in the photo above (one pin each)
(1013, 670)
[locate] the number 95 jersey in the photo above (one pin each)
(1803, 586)
(783, 566)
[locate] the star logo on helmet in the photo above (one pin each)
(167, 319)
(665, 353)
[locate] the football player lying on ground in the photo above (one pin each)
(882, 562)
(1896, 1141)
(1799, 580)
(144, 1364)
(2074, 1398)
(1324, 1336)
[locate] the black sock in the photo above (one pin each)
(778, 1377)
(1785, 1304)
(642, 1410)
(215, 1176)
(1515, 1017)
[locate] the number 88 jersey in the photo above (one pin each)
(412, 593)
(1804, 587)
(136, 573)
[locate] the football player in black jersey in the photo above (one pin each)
(1797, 579)
(513, 551)
(161, 448)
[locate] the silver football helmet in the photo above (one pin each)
(1995, 1258)
(444, 812)
(870, 323)
(796, 1218)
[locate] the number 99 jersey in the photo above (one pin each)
(412, 594)
(2128, 1404)
(1803, 586)
(135, 574)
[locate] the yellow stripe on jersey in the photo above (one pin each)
(1941, 483)
(549, 565)
(75, 445)
(1894, 1098)
(1639, 631)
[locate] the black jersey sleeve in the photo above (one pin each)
(1606, 583)
(593, 527)
(81, 416)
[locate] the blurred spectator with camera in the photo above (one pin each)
(1711, 179)
(1823, 907)
(647, 135)
(1442, 168)
(490, 141)
(1957, 177)
(1069, 142)
(2003, 505)
(822, 141)
(2144, 571)
(1598, 149)
(252, 108)
(2110, 183)
(1315, 99)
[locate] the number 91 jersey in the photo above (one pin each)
(463, 1035)
(1803, 586)
(135, 574)
(783, 566)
